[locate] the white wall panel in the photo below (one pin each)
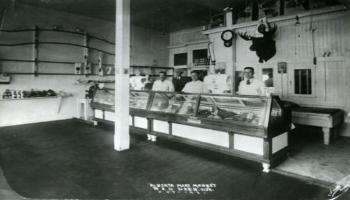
(161, 126)
(110, 116)
(248, 144)
(201, 134)
(279, 142)
(141, 122)
(99, 114)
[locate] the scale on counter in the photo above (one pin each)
(5, 79)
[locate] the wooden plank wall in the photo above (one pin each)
(294, 46)
(186, 36)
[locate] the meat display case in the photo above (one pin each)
(251, 127)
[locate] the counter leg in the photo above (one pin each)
(266, 167)
(153, 138)
(326, 135)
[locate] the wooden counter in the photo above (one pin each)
(250, 127)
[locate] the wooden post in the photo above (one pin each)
(86, 65)
(101, 71)
(35, 50)
(228, 18)
(229, 23)
(122, 65)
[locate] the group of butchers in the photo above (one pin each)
(214, 83)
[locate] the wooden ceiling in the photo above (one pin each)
(163, 15)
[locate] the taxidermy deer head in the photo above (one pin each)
(263, 42)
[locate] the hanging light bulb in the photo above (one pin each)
(297, 21)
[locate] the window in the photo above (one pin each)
(180, 59)
(302, 81)
(200, 57)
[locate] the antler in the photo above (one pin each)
(245, 35)
(272, 27)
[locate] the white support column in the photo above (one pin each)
(122, 65)
(228, 18)
(229, 23)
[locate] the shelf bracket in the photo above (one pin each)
(87, 66)
(35, 50)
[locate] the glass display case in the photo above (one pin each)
(244, 110)
(276, 113)
(251, 127)
(233, 109)
(181, 104)
(104, 99)
(138, 99)
(220, 110)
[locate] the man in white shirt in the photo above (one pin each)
(217, 82)
(137, 82)
(162, 84)
(249, 85)
(195, 86)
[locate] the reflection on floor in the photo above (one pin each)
(68, 159)
(311, 158)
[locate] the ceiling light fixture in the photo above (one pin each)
(297, 20)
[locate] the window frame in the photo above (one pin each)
(292, 80)
(180, 53)
(193, 56)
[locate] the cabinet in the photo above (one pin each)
(193, 56)
(250, 127)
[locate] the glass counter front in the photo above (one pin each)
(104, 96)
(238, 109)
(181, 104)
(248, 110)
(138, 99)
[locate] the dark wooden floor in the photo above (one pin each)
(70, 159)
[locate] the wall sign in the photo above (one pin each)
(282, 67)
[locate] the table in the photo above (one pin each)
(326, 118)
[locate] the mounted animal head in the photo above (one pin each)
(262, 40)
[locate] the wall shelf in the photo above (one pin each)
(72, 74)
(49, 61)
(59, 99)
(39, 43)
(55, 43)
(151, 70)
(58, 30)
(153, 67)
(31, 98)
